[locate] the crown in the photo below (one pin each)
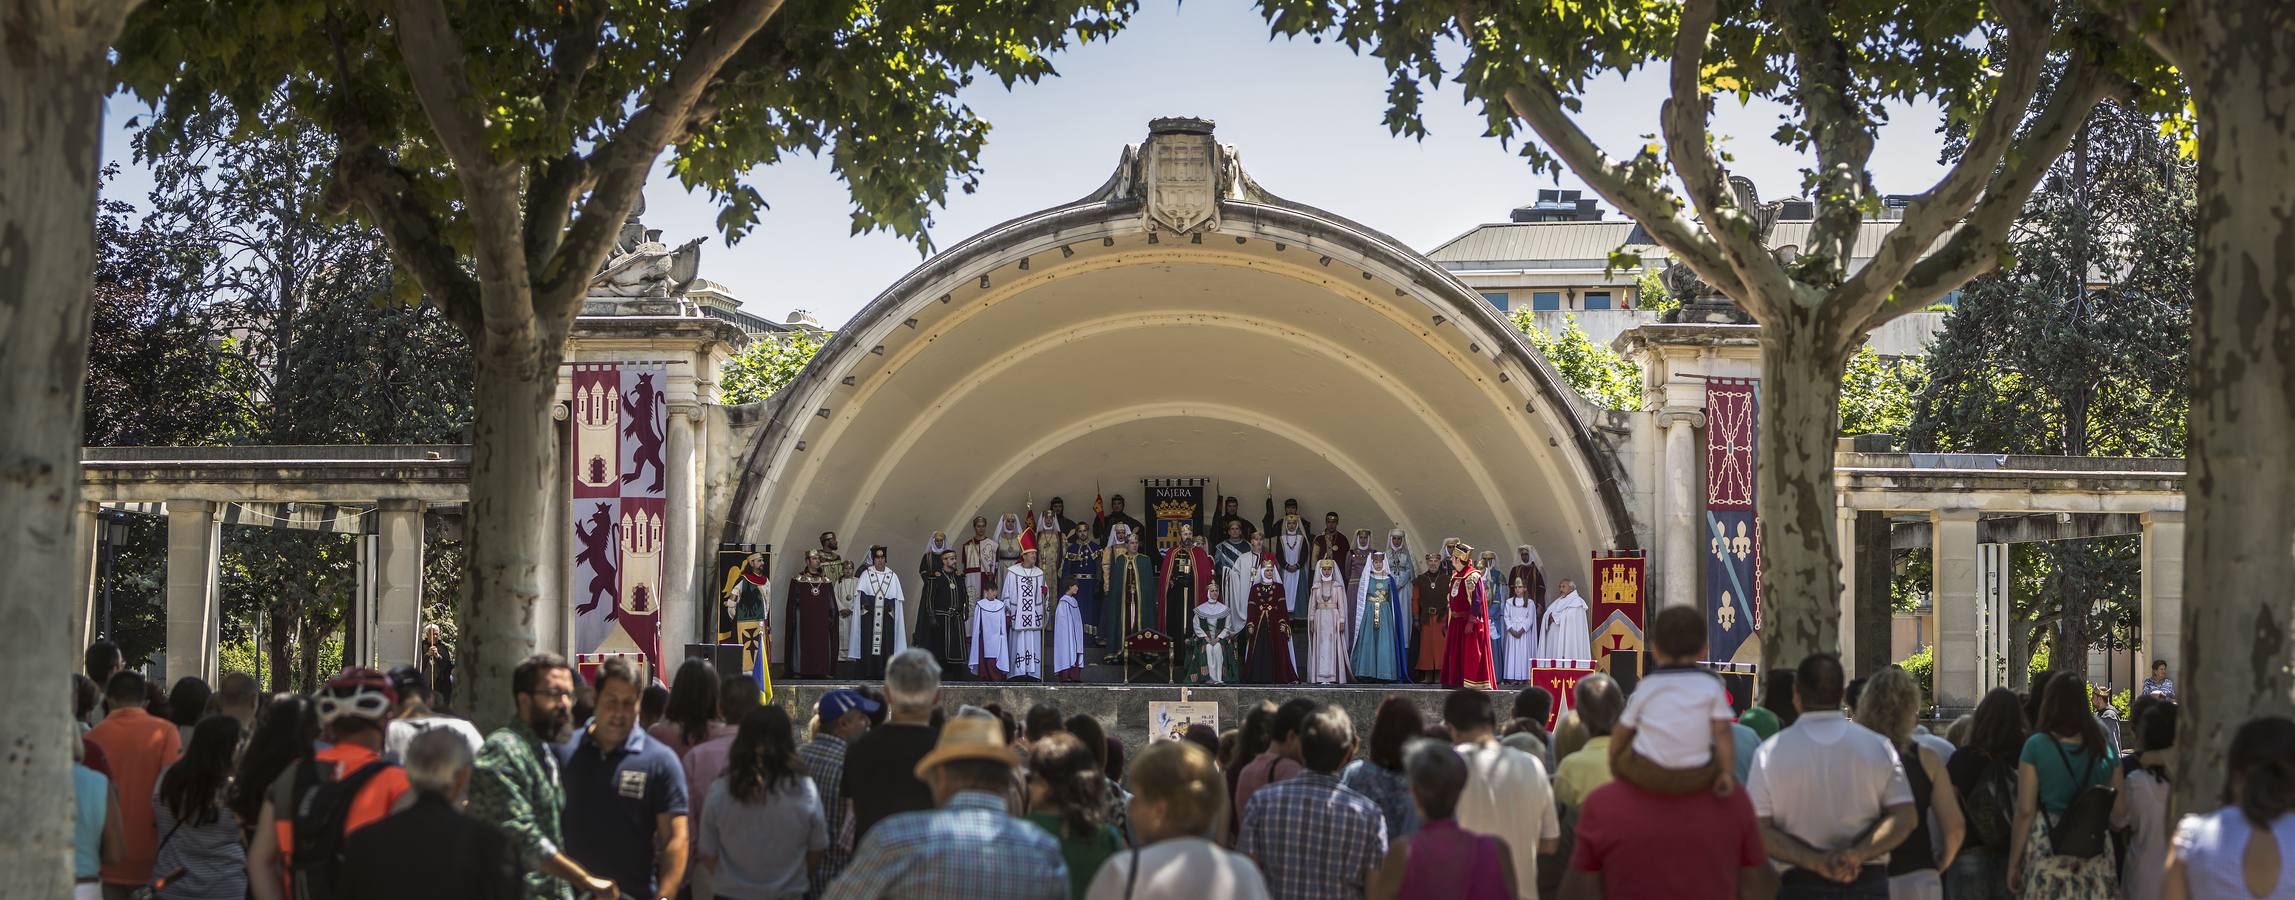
(1174, 509)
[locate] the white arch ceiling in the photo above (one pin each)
(1072, 351)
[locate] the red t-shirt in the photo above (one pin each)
(1704, 840)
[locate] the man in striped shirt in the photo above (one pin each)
(1312, 837)
(843, 716)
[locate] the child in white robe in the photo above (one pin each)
(991, 651)
(1068, 638)
(1518, 624)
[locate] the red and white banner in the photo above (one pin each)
(620, 513)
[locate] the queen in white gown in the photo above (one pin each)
(1518, 630)
(1327, 608)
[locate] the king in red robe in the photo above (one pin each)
(1466, 648)
(812, 621)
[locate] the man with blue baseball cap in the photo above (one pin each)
(844, 715)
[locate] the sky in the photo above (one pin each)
(1305, 118)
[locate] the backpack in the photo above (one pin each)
(322, 809)
(2081, 831)
(1991, 806)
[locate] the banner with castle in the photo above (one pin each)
(620, 505)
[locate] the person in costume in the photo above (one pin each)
(1210, 628)
(991, 653)
(1187, 571)
(1411, 601)
(1379, 624)
(1267, 654)
(1057, 511)
(1050, 541)
(880, 627)
(1494, 587)
(1332, 544)
(1237, 564)
(1238, 577)
(1230, 513)
(1518, 633)
(1117, 518)
(1130, 596)
(1293, 554)
(1466, 650)
(1530, 571)
(1068, 637)
(942, 612)
(1562, 632)
(812, 621)
(979, 556)
(841, 580)
(1028, 599)
(1328, 607)
(1080, 565)
(1010, 538)
(1433, 618)
(747, 610)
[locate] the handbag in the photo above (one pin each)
(151, 891)
(2080, 832)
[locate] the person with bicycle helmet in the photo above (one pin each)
(336, 791)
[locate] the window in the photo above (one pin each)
(1542, 301)
(1496, 298)
(1597, 299)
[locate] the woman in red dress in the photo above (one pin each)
(1466, 649)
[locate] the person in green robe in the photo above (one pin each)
(1127, 599)
(1210, 648)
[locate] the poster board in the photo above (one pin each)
(1169, 719)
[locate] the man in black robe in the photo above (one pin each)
(1229, 513)
(942, 615)
(1058, 510)
(1116, 516)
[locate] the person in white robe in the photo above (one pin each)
(1518, 624)
(1029, 599)
(1328, 608)
(878, 627)
(1237, 578)
(1292, 552)
(1494, 587)
(1009, 545)
(1068, 638)
(978, 559)
(1212, 625)
(991, 656)
(1563, 633)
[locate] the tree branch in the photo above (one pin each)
(436, 65)
(1683, 119)
(413, 231)
(1651, 203)
(1836, 127)
(621, 165)
(1975, 248)
(1930, 213)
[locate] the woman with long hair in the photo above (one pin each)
(187, 704)
(690, 717)
(1891, 706)
(1379, 774)
(1256, 735)
(1068, 796)
(2147, 823)
(200, 856)
(757, 811)
(284, 736)
(1983, 774)
(2065, 756)
(2246, 848)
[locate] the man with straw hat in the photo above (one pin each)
(971, 847)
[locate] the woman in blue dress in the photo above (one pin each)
(1379, 626)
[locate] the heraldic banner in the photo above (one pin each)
(1733, 530)
(620, 509)
(1172, 502)
(1560, 678)
(1617, 615)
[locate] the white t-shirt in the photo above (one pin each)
(1180, 869)
(2213, 848)
(1672, 713)
(1826, 779)
(1507, 794)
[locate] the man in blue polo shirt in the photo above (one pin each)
(625, 794)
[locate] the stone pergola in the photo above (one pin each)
(377, 491)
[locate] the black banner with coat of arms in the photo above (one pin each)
(1172, 502)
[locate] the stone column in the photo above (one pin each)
(1845, 530)
(1954, 591)
(194, 609)
(1679, 545)
(86, 528)
(397, 565)
(679, 598)
(2162, 549)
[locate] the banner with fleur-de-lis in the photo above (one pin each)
(1732, 528)
(619, 422)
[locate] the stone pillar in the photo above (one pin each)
(397, 563)
(1876, 614)
(1845, 531)
(194, 609)
(86, 528)
(1954, 591)
(679, 594)
(2162, 550)
(1996, 614)
(1679, 546)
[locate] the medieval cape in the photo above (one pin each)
(1334, 546)
(1531, 571)
(1267, 654)
(1380, 628)
(1405, 567)
(1067, 640)
(1327, 610)
(1029, 597)
(1518, 631)
(1080, 566)
(1238, 567)
(1130, 599)
(1466, 649)
(1432, 628)
(1497, 593)
(879, 626)
(941, 615)
(1209, 630)
(1563, 633)
(812, 624)
(1180, 586)
(978, 559)
(991, 655)
(1010, 540)
(1293, 553)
